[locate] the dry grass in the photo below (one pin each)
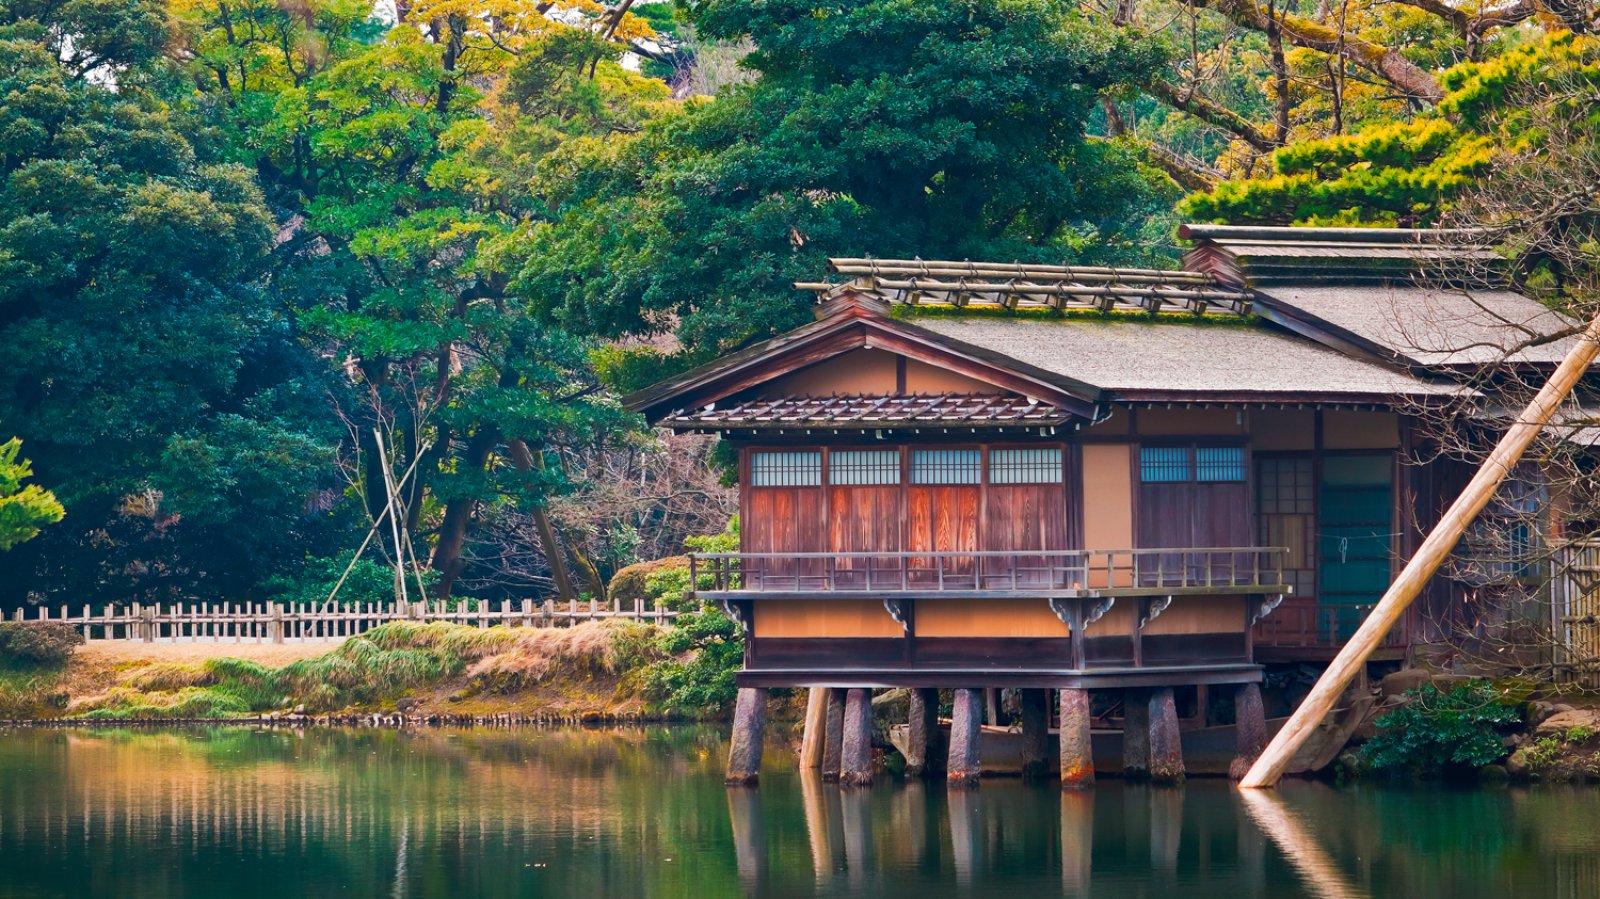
(591, 649)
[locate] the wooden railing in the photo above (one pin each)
(1045, 573)
(272, 622)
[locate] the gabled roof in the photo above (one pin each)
(851, 322)
(968, 410)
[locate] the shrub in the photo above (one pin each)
(1438, 732)
(698, 681)
(38, 644)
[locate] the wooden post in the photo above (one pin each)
(816, 728)
(749, 729)
(924, 739)
(966, 730)
(1035, 731)
(833, 739)
(1429, 556)
(1250, 724)
(275, 627)
(1166, 749)
(1077, 754)
(855, 762)
(1135, 734)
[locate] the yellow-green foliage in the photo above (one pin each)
(1410, 172)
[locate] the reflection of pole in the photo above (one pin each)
(400, 885)
(963, 807)
(811, 798)
(1440, 541)
(1319, 871)
(1166, 829)
(749, 837)
(1077, 840)
(855, 812)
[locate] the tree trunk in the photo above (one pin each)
(523, 459)
(458, 514)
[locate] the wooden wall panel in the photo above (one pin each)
(987, 618)
(859, 371)
(1283, 429)
(1190, 422)
(924, 378)
(1346, 429)
(1200, 615)
(1024, 517)
(1107, 496)
(824, 618)
(942, 519)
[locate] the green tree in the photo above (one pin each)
(132, 312)
(885, 127)
(23, 509)
(397, 164)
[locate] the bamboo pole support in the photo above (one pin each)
(816, 726)
(1269, 768)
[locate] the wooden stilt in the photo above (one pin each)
(833, 739)
(1166, 750)
(923, 736)
(749, 728)
(1035, 731)
(855, 764)
(1250, 723)
(1077, 756)
(965, 764)
(1135, 734)
(816, 728)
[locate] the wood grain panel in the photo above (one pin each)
(1200, 615)
(824, 618)
(987, 618)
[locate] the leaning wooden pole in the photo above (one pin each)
(1440, 541)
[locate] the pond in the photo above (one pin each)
(237, 813)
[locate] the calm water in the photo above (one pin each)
(237, 813)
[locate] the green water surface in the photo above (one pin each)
(239, 813)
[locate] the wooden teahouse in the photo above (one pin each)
(1108, 483)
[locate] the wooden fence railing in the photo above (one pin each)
(272, 622)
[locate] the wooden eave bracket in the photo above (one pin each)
(899, 608)
(1154, 608)
(1264, 606)
(1076, 613)
(735, 611)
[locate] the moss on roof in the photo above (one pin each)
(911, 313)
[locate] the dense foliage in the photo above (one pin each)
(1437, 732)
(37, 644)
(891, 128)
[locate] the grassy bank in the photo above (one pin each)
(606, 669)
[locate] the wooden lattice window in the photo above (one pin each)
(786, 469)
(946, 466)
(864, 468)
(1025, 466)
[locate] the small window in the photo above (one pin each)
(1164, 464)
(859, 468)
(1219, 463)
(802, 469)
(1025, 466)
(962, 466)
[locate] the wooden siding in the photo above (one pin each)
(920, 377)
(858, 371)
(1283, 429)
(824, 618)
(1346, 429)
(989, 618)
(1188, 422)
